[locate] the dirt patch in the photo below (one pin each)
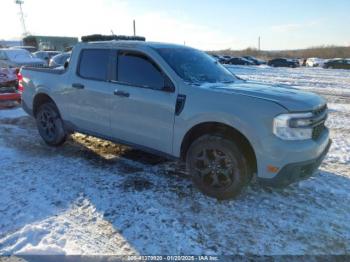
(98, 152)
(107, 148)
(136, 183)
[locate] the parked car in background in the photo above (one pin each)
(337, 64)
(59, 60)
(8, 77)
(240, 61)
(255, 60)
(9, 96)
(46, 55)
(220, 59)
(283, 62)
(216, 57)
(226, 59)
(314, 62)
(19, 57)
(298, 61)
(30, 49)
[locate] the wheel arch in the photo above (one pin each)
(40, 99)
(227, 131)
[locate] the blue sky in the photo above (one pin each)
(282, 24)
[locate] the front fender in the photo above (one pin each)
(182, 127)
(252, 117)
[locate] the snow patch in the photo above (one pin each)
(12, 113)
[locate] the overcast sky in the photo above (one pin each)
(204, 24)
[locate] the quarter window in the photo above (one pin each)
(138, 70)
(94, 64)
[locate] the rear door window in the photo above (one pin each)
(94, 64)
(136, 69)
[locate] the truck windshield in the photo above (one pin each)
(195, 66)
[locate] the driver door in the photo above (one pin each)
(143, 105)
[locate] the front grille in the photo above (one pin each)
(320, 110)
(320, 113)
(317, 131)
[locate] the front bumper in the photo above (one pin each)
(296, 171)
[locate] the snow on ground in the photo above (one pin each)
(14, 113)
(325, 81)
(94, 197)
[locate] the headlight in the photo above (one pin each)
(293, 126)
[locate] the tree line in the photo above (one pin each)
(325, 52)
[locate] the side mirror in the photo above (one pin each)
(66, 65)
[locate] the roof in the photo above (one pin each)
(132, 43)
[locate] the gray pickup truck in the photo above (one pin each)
(179, 102)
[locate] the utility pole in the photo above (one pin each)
(134, 28)
(259, 42)
(20, 3)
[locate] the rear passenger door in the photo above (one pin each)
(90, 92)
(143, 106)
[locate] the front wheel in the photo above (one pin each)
(217, 166)
(50, 125)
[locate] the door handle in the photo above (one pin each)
(121, 93)
(78, 86)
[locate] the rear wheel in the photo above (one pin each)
(217, 166)
(50, 124)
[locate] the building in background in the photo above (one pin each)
(57, 43)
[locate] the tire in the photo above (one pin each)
(217, 167)
(50, 125)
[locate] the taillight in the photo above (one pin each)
(20, 86)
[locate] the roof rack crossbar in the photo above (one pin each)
(97, 38)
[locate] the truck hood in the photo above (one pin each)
(290, 98)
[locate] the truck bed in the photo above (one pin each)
(50, 70)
